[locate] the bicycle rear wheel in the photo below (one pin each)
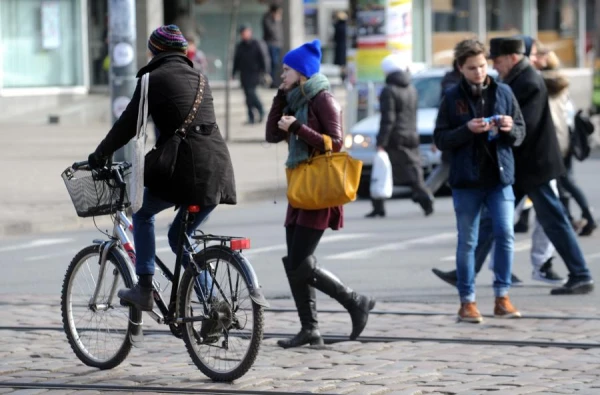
(98, 334)
(225, 345)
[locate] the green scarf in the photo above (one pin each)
(297, 104)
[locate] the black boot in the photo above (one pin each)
(451, 277)
(378, 209)
(140, 295)
(306, 304)
(357, 305)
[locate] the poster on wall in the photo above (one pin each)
(50, 18)
(383, 27)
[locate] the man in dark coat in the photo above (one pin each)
(538, 161)
(250, 59)
(398, 133)
(340, 31)
(203, 172)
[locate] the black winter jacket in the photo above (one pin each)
(398, 105)
(203, 173)
(538, 159)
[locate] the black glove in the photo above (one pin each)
(96, 161)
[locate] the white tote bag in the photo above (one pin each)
(136, 185)
(382, 183)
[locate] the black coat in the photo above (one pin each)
(250, 59)
(339, 39)
(203, 173)
(537, 159)
(398, 127)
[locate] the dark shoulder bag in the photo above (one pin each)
(580, 145)
(161, 160)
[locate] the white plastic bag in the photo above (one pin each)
(136, 184)
(382, 183)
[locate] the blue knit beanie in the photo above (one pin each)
(306, 59)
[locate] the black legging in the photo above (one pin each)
(301, 243)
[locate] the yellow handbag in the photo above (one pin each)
(322, 181)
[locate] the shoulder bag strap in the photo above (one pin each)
(194, 110)
(142, 120)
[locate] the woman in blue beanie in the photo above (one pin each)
(302, 111)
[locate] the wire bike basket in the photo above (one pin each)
(94, 193)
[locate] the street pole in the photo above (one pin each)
(123, 64)
(235, 5)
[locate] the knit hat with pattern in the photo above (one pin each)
(167, 39)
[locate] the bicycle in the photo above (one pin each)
(218, 290)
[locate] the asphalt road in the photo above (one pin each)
(389, 258)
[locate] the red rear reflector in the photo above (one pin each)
(194, 209)
(240, 244)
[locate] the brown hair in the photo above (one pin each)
(467, 49)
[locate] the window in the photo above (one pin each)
(453, 21)
(557, 28)
(41, 43)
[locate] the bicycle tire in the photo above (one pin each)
(191, 336)
(75, 336)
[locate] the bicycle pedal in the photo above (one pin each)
(125, 303)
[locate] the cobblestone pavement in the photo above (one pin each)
(403, 367)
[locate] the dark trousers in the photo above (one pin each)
(252, 103)
(301, 243)
(274, 52)
(567, 185)
(552, 216)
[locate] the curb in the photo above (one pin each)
(28, 227)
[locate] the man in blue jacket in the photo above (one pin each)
(479, 121)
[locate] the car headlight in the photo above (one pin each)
(357, 140)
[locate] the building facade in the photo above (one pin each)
(59, 46)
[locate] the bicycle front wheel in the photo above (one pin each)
(98, 333)
(225, 344)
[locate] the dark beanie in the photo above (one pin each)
(167, 39)
(528, 41)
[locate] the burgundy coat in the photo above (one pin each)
(324, 117)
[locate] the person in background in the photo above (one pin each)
(340, 29)
(558, 93)
(302, 112)
(482, 171)
(398, 133)
(273, 35)
(249, 60)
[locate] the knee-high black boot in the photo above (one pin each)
(357, 305)
(306, 304)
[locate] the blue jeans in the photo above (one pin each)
(552, 216)
(468, 204)
(143, 232)
(274, 52)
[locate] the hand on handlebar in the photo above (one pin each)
(96, 161)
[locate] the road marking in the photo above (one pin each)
(34, 244)
(400, 245)
(48, 256)
(520, 246)
(592, 256)
(325, 239)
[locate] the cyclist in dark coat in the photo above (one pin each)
(203, 174)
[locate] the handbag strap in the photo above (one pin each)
(194, 110)
(142, 121)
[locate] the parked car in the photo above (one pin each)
(360, 142)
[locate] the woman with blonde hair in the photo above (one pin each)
(303, 111)
(558, 97)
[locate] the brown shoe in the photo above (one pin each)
(505, 309)
(468, 313)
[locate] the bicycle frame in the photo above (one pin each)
(120, 240)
